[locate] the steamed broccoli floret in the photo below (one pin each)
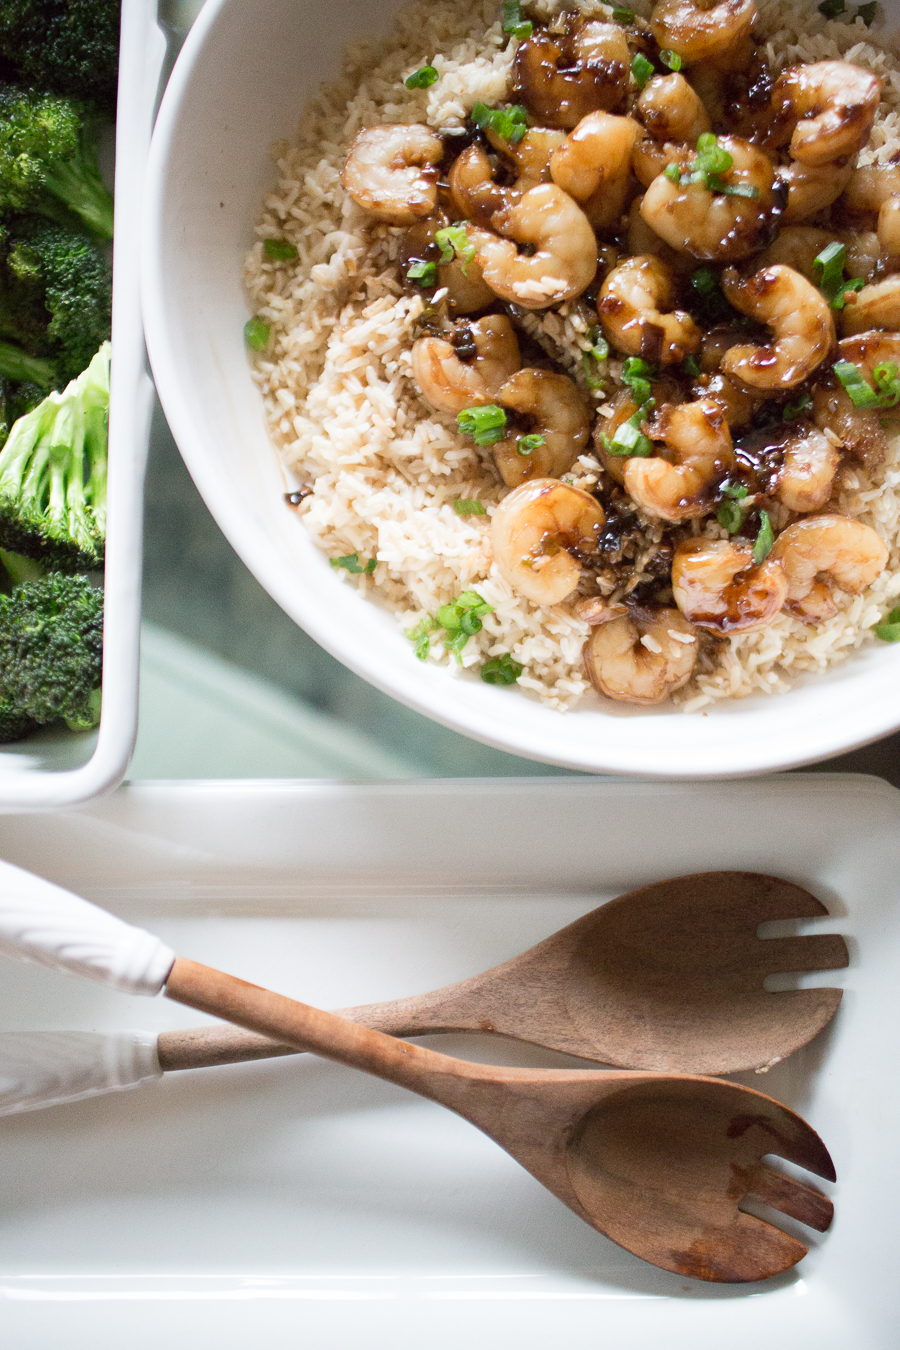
(51, 649)
(53, 475)
(73, 280)
(48, 159)
(69, 46)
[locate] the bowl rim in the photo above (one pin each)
(425, 689)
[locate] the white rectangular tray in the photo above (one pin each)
(55, 767)
(298, 1204)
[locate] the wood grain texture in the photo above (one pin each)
(658, 1163)
(668, 977)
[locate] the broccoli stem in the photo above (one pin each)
(20, 569)
(78, 185)
(18, 365)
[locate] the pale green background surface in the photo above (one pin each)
(232, 688)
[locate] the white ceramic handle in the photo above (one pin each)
(43, 923)
(47, 1068)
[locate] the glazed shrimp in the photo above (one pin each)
(834, 103)
(540, 531)
(889, 228)
(800, 319)
(797, 246)
(697, 30)
(697, 436)
(821, 552)
(868, 188)
(709, 224)
(858, 429)
(555, 410)
(636, 309)
(390, 170)
(451, 383)
(810, 190)
(461, 278)
(671, 110)
(640, 658)
(593, 165)
(717, 585)
(806, 478)
(875, 306)
(565, 249)
(563, 77)
(738, 405)
(473, 191)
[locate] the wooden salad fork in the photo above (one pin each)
(668, 977)
(659, 1163)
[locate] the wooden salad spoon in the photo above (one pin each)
(668, 977)
(658, 1163)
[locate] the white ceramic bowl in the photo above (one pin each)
(240, 83)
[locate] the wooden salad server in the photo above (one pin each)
(658, 1163)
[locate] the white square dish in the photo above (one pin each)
(297, 1203)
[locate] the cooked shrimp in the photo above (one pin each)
(810, 190)
(806, 478)
(641, 239)
(641, 658)
(636, 308)
(859, 429)
(651, 157)
(717, 585)
(671, 110)
(554, 409)
(835, 103)
(563, 77)
(875, 306)
(738, 405)
(697, 436)
(532, 154)
(889, 227)
(390, 170)
(711, 224)
(474, 193)
(797, 246)
(863, 253)
(800, 319)
(826, 551)
(451, 383)
(565, 249)
(540, 531)
(460, 278)
(594, 165)
(868, 188)
(697, 30)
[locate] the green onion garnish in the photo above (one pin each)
(592, 380)
(256, 334)
(486, 424)
(764, 540)
(464, 506)
(279, 250)
(867, 13)
(830, 9)
(350, 563)
(730, 514)
(637, 374)
(420, 636)
(889, 631)
(623, 15)
(599, 346)
(641, 69)
(628, 439)
(514, 23)
(886, 391)
(829, 265)
(455, 243)
(425, 273)
(673, 173)
(526, 444)
(707, 167)
(691, 366)
(461, 619)
(670, 59)
(501, 670)
(510, 124)
(422, 78)
(705, 282)
(792, 410)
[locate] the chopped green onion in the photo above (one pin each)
(279, 250)
(641, 69)
(792, 410)
(854, 284)
(420, 636)
(637, 374)
(510, 124)
(829, 265)
(737, 491)
(486, 424)
(886, 391)
(599, 345)
(705, 281)
(461, 619)
(887, 384)
(455, 243)
(671, 59)
(889, 631)
(513, 22)
(425, 273)
(711, 156)
(350, 563)
(628, 438)
(867, 13)
(256, 334)
(734, 189)
(623, 15)
(591, 380)
(673, 173)
(691, 366)
(525, 445)
(764, 540)
(730, 517)
(422, 78)
(830, 9)
(464, 506)
(501, 670)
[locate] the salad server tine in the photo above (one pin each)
(658, 1163)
